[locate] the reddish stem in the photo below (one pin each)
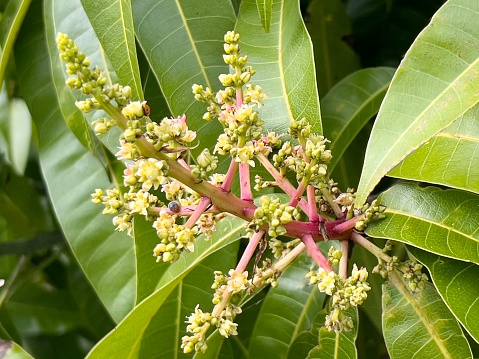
(312, 211)
(199, 210)
(315, 253)
(230, 175)
(245, 182)
(350, 223)
(298, 193)
(282, 182)
(249, 251)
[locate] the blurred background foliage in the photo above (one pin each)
(46, 303)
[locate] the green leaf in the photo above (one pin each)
(329, 28)
(20, 136)
(458, 283)
(449, 158)
(183, 43)
(283, 60)
(423, 99)
(337, 345)
(10, 24)
(350, 104)
(11, 350)
(113, 24)
(137, 328)
(419, 325)
(72, 173)
(444, 222)
(287, 310)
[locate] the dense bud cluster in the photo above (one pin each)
(271, 211)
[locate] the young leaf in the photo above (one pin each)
(12, 19)
(283, 60)
(127, 338)
(113, 24)
(107, 257)
(419, 325)
(424, 99)
(287, 310)
(265, 9)
(350, 104)
(444, 222)
(458, 283)
(329, 28)
(449, 158)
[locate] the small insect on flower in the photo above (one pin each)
(174, 207)
(146, 109)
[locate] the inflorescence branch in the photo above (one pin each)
(184, 197)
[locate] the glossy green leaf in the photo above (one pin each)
(419, 325)
(350, 105)
(10, 350)
(330, 29)
(458, 284)
(423, 98)
(265, 9)
(287, 310)
(283, 60)
(20, 134)
(183, 43)
(444, 222)
(113, 24)
(146, 319)
(72, 173)
(450, 158)
(12, 19)
(337, 345)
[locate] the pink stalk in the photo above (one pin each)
(245, 258)
(184, 164)
(239, 96)
(249, 251)
(350, 223)
(245, 182)
(230, 175)
(312, 211)
(298, 193)
(282, 182)
(199, 210)
(315, 253)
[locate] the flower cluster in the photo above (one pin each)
(199, 322)
(344, 292)
(161, 170)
